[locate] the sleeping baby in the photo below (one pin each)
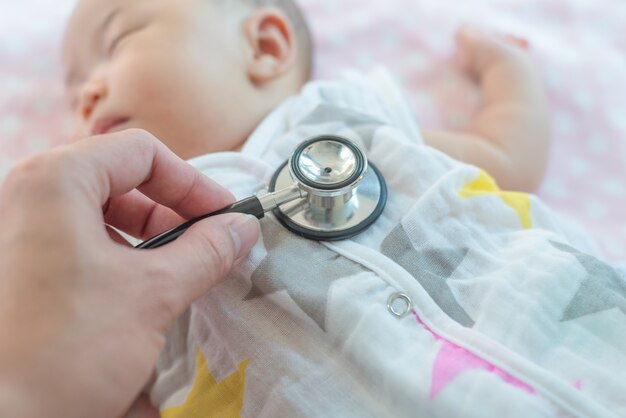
(460, 300)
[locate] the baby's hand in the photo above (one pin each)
(479, 51)
(509, 135)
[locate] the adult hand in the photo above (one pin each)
(83, 316)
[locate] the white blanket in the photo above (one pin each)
(503, 316)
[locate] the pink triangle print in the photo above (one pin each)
(453, 360)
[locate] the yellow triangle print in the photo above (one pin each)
(485, 185)
(209, 398)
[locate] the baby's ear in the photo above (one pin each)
(272, 44)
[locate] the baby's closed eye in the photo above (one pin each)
(113, 43)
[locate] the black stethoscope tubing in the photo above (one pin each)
(250, 205)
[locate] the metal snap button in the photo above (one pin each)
(399, 304)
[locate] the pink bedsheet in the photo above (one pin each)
(579, 46)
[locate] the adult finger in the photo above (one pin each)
(111, 165)
(183, 270)
(140, 216)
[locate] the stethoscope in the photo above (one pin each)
(326, 191)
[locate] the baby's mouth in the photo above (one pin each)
(106, 125)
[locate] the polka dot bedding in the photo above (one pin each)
(578, 46)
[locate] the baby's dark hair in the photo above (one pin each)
(300, 26)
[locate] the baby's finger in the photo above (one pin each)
(517, 41)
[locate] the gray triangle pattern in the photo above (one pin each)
(305, 269)
(431, 267)
(601, 289)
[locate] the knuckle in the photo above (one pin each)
(216, 252)
(141, 134)
(167, 308)
(27, 169)
(41, 171)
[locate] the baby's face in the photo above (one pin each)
(173, 67)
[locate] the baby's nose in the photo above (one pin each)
(91, 93)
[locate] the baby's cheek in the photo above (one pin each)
(139, 79)
(142, 89)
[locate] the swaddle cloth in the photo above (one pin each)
(461, 300)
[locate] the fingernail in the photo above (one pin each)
(245, 232)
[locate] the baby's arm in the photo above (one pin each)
(510, 135)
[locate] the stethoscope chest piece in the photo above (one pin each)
(342, 193)
(326, 191)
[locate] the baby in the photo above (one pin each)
(202, 75)
(461, 300)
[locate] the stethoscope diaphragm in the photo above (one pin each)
(345, 193)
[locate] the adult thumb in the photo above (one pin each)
(199, 259)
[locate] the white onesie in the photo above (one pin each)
(460, 300)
